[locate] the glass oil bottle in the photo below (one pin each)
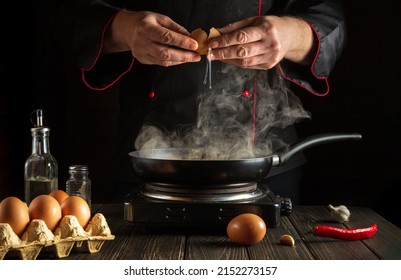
(41, 168)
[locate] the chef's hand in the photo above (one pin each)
(152, 39)
(262, 42)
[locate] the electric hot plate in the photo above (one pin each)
(157, 205)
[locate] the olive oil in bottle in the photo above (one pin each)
(41, 169)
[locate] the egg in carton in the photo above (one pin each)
(68, 234)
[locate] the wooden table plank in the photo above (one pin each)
(154, 246)
(133, 242)
(387, 241)
(143, 244)
(305, 218)
(271, 249)
(213, 247)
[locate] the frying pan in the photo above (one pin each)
(169, 167)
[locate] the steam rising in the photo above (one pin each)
(230, 125)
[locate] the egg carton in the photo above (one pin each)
(68, 236)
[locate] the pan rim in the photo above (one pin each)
(137, 154)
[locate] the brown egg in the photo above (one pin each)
(78, 207)
(14, 212)
(59, 195)
(47, 208)
(246, 229)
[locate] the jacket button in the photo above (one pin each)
(245, 93)
(152, 94)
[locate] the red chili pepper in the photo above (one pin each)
(345, 233)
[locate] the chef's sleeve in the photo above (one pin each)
(326, 19)
(83, 24)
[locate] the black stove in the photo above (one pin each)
(158, 205)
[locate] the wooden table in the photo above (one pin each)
(134, 243)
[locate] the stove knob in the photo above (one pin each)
(285, 205)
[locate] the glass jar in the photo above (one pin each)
(79, 183)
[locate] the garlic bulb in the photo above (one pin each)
(340, 213)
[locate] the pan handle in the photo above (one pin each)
(286, 153)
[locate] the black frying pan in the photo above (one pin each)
(169, 166)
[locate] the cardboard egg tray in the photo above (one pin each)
(68, 237)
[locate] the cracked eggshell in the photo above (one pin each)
(203, 39)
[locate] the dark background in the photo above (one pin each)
(365, 97)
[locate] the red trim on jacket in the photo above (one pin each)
(83, 69)
(311, 68)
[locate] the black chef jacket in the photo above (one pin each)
(167, 97)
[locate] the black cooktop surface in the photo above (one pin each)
(146, 208)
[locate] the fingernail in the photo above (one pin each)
(193, 46)
(214, 44)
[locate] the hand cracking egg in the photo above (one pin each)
(246, 229)
(203, 39)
